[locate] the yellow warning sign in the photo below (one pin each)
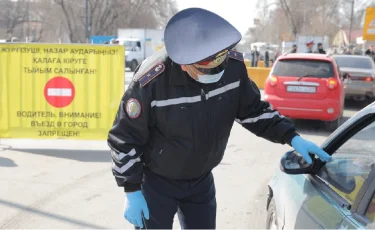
(369, 25)
(286, 37)
(62, 91)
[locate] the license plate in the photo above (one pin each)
(301, 89)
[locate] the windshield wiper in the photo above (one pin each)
(309, 75)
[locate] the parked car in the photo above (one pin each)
(361, 83)
(307, 86)
(334, 195)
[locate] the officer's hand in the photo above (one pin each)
(134, 207)
(304, 147)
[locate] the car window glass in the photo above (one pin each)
(134, 44)
(360, 63)
(370, 213)
(128, 45)
(299, 68)
(352, 164)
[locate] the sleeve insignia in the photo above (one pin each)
(133, 108)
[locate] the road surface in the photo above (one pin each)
(69, 184)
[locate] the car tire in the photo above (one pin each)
(133, 65)
(271, 216)
(331, 126)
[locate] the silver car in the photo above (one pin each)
(360, 85)
(335, 195)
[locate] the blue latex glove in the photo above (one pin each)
(304, 147)
(134, 207)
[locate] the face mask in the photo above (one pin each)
(207, 79)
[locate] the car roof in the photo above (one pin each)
(370, 109)
(311, 56)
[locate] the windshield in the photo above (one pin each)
(300, 68)
(129, 45)
(349, 62)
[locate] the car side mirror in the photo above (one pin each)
(293, 163)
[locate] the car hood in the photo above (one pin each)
(356, 70)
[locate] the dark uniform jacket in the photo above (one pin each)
(320, 51)
(178, 127)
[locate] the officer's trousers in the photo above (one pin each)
(193, 200)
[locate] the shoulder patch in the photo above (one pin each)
(236, 55)
(151, 74)
(133, 108)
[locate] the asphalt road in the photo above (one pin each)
(68, 184)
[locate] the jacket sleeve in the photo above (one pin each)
(259, 117)
(128, 135)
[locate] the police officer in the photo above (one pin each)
(310, 46)
(174, 121)
(254, 57)
(294, 49)
(320, 49)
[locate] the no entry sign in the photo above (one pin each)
(59, 92)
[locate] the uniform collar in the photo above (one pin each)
(178, 76)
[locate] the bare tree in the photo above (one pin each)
(324, 18)
(359, 7)
(70, 17)
(66, 19)
(278, 26)
(38, 18)
(146, 13)
(12, 14)
(105, 16)
(304, 17)
(290, 14)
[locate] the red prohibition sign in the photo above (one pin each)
(59, 92)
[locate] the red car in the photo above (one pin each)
(307, 86)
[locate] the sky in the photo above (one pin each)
(240, 13)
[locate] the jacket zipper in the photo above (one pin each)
(203, 94)
(204, 99)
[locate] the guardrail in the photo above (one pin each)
(258, 75)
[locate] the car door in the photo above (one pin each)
(317, 210)
(370, 209)
(364, 216)
(349, 180)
